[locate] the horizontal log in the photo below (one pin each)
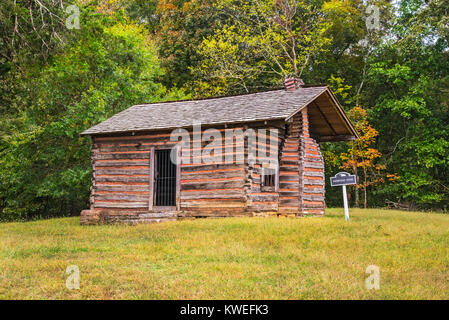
(307, 178)
(313, 189)
(223, 198)
(265, 208)
(121, 205)
(122, 196)
(207, 204)
(289, 178)
(119, 156)
(313, 182)
(292, 193)
(122, 172)
(294, 185)
(313, 206)
(218, 195)
(313, 174)
(313, 165)
(206, 167)
(141, 193)
(264, 193)
(312, 152)
(122, 179)
(256, 205)
(118, 148)
(308, 158)
(290, 158)
(98, 152)
(306, 169)
(212, 185)
(213, 175)
(134, 188)
(269, 198)
(313, 198)
(286, 168)
(289, 202)
(289, 162)
(286, 153)
(100, 164)
(289, 172)
(191, 180)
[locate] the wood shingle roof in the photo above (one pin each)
(327, 118)
(278, 104)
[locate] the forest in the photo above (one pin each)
(67, 65)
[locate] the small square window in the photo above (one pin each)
(268, 179)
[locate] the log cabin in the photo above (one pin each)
(221, 167)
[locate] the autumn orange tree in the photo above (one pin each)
(362, 158)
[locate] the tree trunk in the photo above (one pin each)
(354, 168)
(364, 191)
(357, 200)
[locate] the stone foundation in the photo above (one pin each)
(107, 216)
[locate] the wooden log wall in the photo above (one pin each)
(289, 172)
(301, 188)
(228, 189)
(121, 173)
(121, 188)
(215, 189)
(312, 201)
(264, 201)
(121, 177)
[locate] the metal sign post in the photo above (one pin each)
(345, 203)
(343, 179)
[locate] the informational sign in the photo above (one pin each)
(343, 179)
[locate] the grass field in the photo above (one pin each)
(235, 258)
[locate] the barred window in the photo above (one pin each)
(268, 179)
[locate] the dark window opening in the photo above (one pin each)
(164, 179)
(268, 179)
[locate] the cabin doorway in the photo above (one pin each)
(164, 179)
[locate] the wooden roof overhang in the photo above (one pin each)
(327, 119)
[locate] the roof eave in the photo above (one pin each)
(340, 111)
(305, 105)
(343, 115)
(86, 133)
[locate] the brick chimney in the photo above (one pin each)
(292, 83)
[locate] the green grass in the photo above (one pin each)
(235, 258)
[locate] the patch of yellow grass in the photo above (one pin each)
(235, 258)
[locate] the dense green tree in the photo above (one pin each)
(408, 79)
(183, 25)
(45, 165)
(179, 27)
(260, 44)
(30, 30)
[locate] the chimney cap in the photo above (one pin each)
(292, 83)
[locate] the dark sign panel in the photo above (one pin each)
(343, 179)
